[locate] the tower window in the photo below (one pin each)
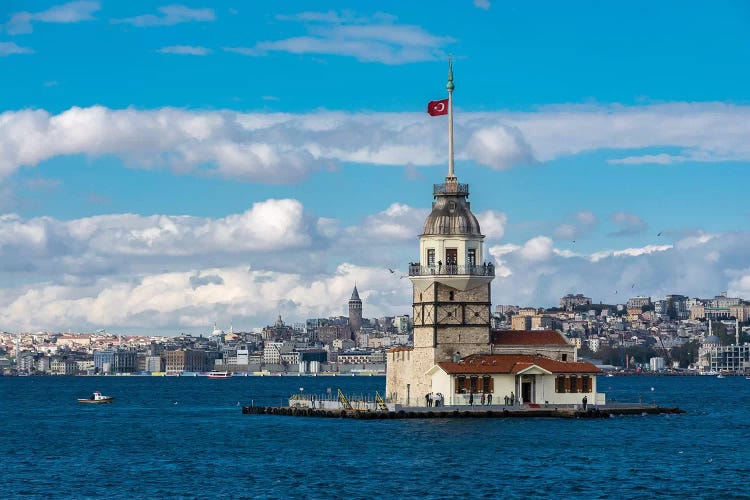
(471, 257)
(450, 296)
(430, 256)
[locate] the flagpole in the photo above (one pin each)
(450, 88)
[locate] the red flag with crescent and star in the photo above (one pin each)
(437, 108)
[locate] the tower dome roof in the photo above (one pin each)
(451, 212)
(355, 294)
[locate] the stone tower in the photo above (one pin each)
(451, 289)
(355, 312)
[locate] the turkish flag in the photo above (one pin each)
(437, 108)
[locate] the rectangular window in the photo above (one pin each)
(573, 383)
(460, 384)
(560, 384)
(430, 256)
(474, 384)
(487, 385)
(471, 257)
(564, 357)
(585, 384)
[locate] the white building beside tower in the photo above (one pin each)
(455, 352)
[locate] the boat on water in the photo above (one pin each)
(719, 376)
(215, 374)
(97, 398)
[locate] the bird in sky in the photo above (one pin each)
(391, 270)
(659, 234)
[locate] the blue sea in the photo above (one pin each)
(184, 437)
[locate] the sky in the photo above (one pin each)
(168, 166)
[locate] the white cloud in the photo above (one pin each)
(189, 50)
(397, 222)
(627, 223)
(536, 249)
(174, 301)
(492, 223)
(629, 252)
(660, 159)
(375, 39)
(272, 234)
(482, 4)
(169, 16)
(10, 48)
(71, 12)
(178, 273)
(285, 148)
(499, 147)
(611, 276)
(583, 222)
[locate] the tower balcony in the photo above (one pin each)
(487, 269)
(450, 188)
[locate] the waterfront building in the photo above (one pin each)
(188, 360)
(154, 364)
(716, 358)
(454, 349)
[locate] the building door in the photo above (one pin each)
(451, 260)
(527, 392)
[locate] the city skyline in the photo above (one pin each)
(165, 167)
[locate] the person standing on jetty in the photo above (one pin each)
(585, 402)
(512, 399)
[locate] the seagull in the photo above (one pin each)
(391, 270)
(633, 285)
(574, 241)
(709, 460)
(659, 234)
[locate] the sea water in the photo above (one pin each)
(186, 437)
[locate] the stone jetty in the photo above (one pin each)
(463, 412)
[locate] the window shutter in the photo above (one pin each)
(492, 384)
(579, 384)
(566, 384)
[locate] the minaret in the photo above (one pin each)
(355, 311)
(451, 286)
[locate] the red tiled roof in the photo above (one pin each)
(528, 337)
(514, 363)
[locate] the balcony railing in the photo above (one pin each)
(416, 269)
(450, 188)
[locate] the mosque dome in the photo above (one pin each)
(451, 213)
(712, 339)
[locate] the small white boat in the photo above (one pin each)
(215, 374)
(97, 398)
(719, 376)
